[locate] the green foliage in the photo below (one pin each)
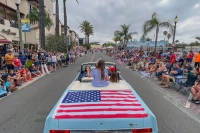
(177, 41)
(87, 46)
(34, 17)
(55, 43)
(147, 39)
(124, 34)
(155, 23)
(108, 44)
(87, 28)
(196, 43)
(29, 63)
(34, 46)
(198, 38)
(165, 33)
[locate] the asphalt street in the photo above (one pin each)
(26, 110)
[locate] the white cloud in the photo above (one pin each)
(107, 16)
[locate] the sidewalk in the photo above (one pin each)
(25, 83)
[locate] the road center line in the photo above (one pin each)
(92, 58)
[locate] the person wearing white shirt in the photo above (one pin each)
(54, 61)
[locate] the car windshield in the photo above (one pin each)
(92, 66)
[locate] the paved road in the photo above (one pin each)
(26, 110)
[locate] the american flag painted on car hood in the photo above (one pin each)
(99, 104)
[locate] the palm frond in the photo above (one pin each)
(87, 28)
(167, 25)
(148, 26)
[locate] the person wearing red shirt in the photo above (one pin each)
(23, 74)
(16, 63)
(172, 59)
(190, 57)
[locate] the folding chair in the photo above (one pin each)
(186, 86)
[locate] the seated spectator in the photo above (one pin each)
(3, 63)
(191, 77)
(152, 68)
(10, 87)
(15, 77)
(23, 74)
(177, 71)
(16, 63)
(185, 70)
(3, 91)
(153, 60)
(161, 69)
(195, 90)
(28, 74)
(197, 71)
(181, 61)
(34, 71)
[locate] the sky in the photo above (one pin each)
(107, 15)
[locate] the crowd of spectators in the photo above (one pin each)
(166, 66)
(19, 68)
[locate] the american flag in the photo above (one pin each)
(100, 104)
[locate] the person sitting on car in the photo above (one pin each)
(100, 74)
(111, 69)
(84, 73)
(114, 77)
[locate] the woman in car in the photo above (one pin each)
(100, 74)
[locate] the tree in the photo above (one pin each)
(65, 18)
(55, 43)
(124, 34)
(198, 38)
(117, 39)
(87, 28)
(165, 33)
(148, 39)
(34, 17)
(155, 23)
(41, 23)
(87, 46)
(57, 28)
(177, 41)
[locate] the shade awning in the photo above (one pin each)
(4, 41)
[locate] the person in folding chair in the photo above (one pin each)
(192, 76)
(175, 73)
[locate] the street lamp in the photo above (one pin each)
(17, 3)
(175, 21)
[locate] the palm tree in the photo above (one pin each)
(42, 23)
(34, 17)
(198, 38)
(117, 39)
(57, 28)
(87, 28)
(65, 18)
(177, 41)
(155, 23)
(124, 34)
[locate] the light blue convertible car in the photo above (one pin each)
(116, 108)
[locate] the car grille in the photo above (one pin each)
(100, 131)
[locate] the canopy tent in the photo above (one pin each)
(110, 47)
